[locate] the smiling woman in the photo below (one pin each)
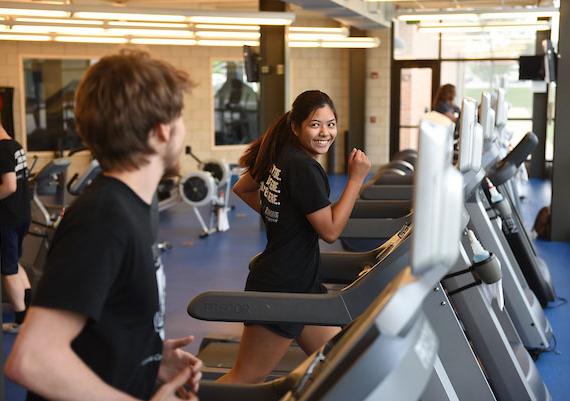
(286, 185)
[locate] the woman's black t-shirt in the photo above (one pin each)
(15, 209)
(296, 186)
(103, 265)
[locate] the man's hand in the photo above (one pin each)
(175, 360)
(168, 391)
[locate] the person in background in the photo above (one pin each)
(15, 217)
(95, 330)
(444, 102)
(286, 185)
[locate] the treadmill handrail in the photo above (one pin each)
(507, 167)
(260, 307)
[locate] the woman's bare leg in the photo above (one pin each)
(260, 350)
(314, 337)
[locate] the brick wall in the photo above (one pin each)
(377, 134)
(324, 69)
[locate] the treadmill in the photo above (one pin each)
(392, 341)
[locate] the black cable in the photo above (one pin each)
(465, 287)
(458, 273)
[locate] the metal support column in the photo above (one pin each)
(539, 119)
(272, 102)
(561, 163)
(356, 94)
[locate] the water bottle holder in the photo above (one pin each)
(487, 271)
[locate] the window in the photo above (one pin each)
(236, 104)
(503, 44)
(410, 44)
(473, 77)
(50, 86)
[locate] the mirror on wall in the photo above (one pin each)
(236, 104)
(49, 87)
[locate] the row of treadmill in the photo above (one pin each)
(447, 304)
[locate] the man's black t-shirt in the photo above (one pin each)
(15, 209)
(296, 186)
(103, 265)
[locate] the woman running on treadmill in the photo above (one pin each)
(286, 185)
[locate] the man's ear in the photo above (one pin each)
(161, 132)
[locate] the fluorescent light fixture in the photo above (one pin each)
(130, 17)
(448, 28)
(304, 44)
(33, 12)
(25, 38)
(91, 39)
(228, 27)
(481, 14)
(438, 17)
(156, 41)
(227, 43)
(521, 27)
(510, 15)
(228, 35)
(490, 27)
(352, 44)
(59, 21)
(339, 30)
(346, 43)
(147, 24)
(57, 29)
(164, 33)
(316, 36)
(239, 20)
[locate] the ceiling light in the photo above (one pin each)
(34, 12)
(351, 44)
(57, 29)
(527, 27)
(228, 27)
(151, 32)
(156, 41)
(228, 35)
(304, 44)
(130, 17)
(340, 30)
(92, 39)
(437, 17)
(519, 15)
(59, 21)
(239, 20)
(450, 27)
(227, 43)
(316, 36)
(347, 43)
(147, 24)
(33, 38)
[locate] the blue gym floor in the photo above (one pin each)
(220, 262)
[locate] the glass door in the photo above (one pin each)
(414, 85)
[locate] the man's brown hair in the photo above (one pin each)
(120, 100)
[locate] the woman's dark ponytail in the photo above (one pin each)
(261, 154)
(264, 152)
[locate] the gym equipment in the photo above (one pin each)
(45, 218)
(373, 368)
(211, 186)
(508, 365)
(77, 184)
